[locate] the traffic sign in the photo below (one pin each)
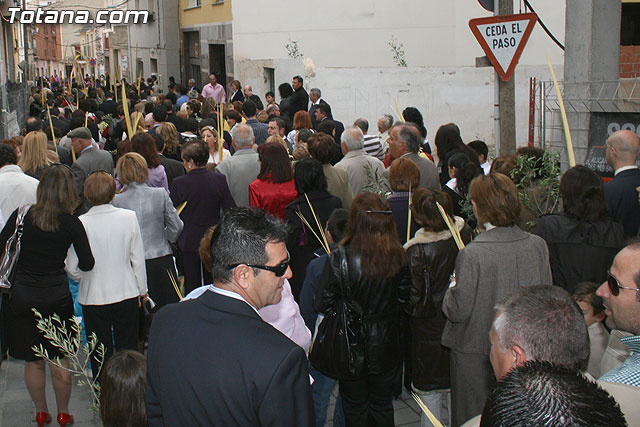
(92, 62)
(503, 39)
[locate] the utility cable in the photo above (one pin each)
(544, 27)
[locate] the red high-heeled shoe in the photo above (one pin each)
(65, 419)
(43, 418)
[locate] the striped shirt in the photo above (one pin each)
(373, 147)
(629, 371)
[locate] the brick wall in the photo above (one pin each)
(629, 62)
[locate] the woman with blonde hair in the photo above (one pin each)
(159, 224)
(210, 136)
(49, 230)
(169, 134)
(137, 121)
(34, 158)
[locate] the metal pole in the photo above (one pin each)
(507, 99)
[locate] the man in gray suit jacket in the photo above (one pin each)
(404, 141)
(90, 159)
(243, 167)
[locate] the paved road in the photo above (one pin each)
(17, 410)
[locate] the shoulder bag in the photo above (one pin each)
(12, 251)
(338, 347)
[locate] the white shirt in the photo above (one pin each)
(116, 243)
(214, 159)
(16, 189)
(453, 184)
(486, 167)
(624, 168)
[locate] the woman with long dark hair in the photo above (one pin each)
(377, 281)
(41, 283)
(274, 188)
(462, 171)
(122, 390)
(582, 231)
(285, 91)
(143, 144)
(302, 243)
(448, 142)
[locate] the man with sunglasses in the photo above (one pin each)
(621, 296)
(213, 360)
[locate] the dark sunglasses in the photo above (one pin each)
(278, 270)
(615, 286)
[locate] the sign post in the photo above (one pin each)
(503, 38)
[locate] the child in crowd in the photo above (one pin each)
(593, 310)
(122, 391)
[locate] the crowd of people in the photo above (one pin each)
(237, 268)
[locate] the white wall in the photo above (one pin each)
(463, 95)
(356, 33)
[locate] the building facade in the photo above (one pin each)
(206, 31)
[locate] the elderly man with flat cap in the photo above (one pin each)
(90, 159)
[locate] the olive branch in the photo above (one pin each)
(70, 344)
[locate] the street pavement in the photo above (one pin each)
(17, 410)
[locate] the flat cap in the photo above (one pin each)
(82, 132)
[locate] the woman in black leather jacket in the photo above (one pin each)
(432, 256)
(378, 280)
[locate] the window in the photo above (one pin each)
(630, 25)
(193, 3)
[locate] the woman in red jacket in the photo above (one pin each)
(274, 188)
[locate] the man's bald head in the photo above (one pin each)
(623, 147)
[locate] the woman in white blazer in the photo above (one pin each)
(111, 294)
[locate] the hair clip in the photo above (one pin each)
(379, 212)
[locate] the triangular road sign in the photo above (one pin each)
(503, 39)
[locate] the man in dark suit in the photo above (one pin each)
(249, 95)
(623, 147)
(57, 122)
(213, 360)
(172, 168)
(299, 99)
(315, 96)
(109, 105)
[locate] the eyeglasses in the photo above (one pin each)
(615, 286)
(278, 270)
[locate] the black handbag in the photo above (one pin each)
(338, 347)
(12, 251)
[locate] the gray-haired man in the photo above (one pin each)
(243, 167)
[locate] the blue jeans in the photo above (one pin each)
(321, 390)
